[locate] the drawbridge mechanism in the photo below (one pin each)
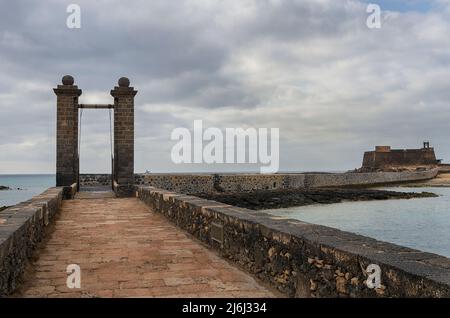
(70, 134)
(81, 107)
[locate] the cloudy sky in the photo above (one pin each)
(312, 68)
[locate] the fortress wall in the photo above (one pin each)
(444, 168)
(251, 182)
(191, 184)
(197, 183)
(186, 183)
(22, 227)
(370, 178)
(302, 259)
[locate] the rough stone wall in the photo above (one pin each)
(351, 179)
(184, 183)
(95, 180)
(191, 184)
(238, 183)
(301, 259)
(21, 228)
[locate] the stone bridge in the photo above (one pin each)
(125, 249)
(146, 236)
(121, 246)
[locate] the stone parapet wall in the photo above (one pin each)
(198, 183)
(369, 178)
(302, 259)
(251, 182)
(444, 168)
(21, 227)
(95, 179)
(184, 183)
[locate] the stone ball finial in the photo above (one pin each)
(124, 82)
(68, 80)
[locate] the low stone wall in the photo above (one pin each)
(95, 180)
(444, 168)
(184, 183)
(301, 259)
(369, 178)
(21, 228)
(250, 182)
(197, 183)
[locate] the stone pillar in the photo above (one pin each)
(67, 161)
(123, 170)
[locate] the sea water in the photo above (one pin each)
(29, 186)
(420, 223)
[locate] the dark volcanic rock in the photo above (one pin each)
(5, 188)
(3, 208)
(260, 200)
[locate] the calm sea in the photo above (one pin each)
(422, 224)
(30, 186)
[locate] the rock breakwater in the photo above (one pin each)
(260, 200)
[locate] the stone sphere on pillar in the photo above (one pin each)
(124, 82)
(68, 80)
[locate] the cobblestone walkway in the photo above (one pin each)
(125, 250)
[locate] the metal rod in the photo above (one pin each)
(95, 106)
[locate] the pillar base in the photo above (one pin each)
(65, 179)
(124, 191)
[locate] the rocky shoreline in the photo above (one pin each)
(260, 200)
(5, 188)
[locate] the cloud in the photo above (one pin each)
(312, 68)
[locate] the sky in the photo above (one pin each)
(312, 68)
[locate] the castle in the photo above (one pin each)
(385, 158)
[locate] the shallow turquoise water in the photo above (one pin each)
(422, 224)
(31, 185)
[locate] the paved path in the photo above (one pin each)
(126, 250)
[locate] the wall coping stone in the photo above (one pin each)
(22, 226)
